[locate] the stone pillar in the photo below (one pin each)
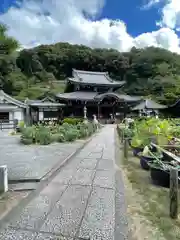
(3, 179)
(85, 114)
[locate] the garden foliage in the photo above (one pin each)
(46, 134)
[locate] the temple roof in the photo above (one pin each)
(94, 78)
(46, 102)
(78, 95)
(123, 97)
(149, 104)
(5, 98)
(94, 96)
(176, 104)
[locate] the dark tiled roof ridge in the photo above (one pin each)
(90, 72)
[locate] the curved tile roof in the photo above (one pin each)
(78, 95)
(94, 96)
(46, 102)
(123, 97)
(93, 78)
(149, 104)
(5, 96)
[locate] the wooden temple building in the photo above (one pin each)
(96, 92)
(86, 93)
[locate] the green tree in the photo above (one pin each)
(7, 44)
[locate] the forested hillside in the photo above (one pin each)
(33, 73)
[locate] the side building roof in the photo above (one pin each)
(4, 97)
(94, 78)
(46, 102)
(149, 104)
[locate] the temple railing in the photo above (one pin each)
(8, 124)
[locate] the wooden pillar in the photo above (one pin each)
(27, 113)
(173, 193)
(27, 116)
(125, 109)
(126, 145)
(98, 110)
(62, 114)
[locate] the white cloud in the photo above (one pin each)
(170, 13)
(48, 21)
(150, 4)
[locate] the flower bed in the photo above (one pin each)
(155, 142)
(46, 134)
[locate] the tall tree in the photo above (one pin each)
(7, 44)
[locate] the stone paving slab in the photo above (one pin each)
(104, 179)
(12, 234)
(66, 216)
(32, 162)
(36, 211)
(64, 176)
(95, 155)
(45, 236)
(105, 165)
(83, 177)
(88, 163)
(99, 218)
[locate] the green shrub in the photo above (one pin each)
(21, 124)
(29, 133)
(73, 121)
(58, 137)
(65, 126)
(71, 135)
(33, 134)
(26, 141)
(43, 135)
(83, 132)
(91, 128)
(46, 134)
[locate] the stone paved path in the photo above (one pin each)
(79, 202)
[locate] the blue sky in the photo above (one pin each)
(67, 22)
(130, 12)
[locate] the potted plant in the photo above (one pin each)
(160, 174)
(147, 156)
(160, 171)
(137, 145)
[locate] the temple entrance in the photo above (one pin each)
(4, 116)
(107, 107)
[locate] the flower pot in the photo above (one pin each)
(166, 157)
(144, 162)
(160, 177)
(137, 150)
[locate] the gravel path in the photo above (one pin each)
(79, 202)
(32, 163)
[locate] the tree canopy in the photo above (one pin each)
(152, 72)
